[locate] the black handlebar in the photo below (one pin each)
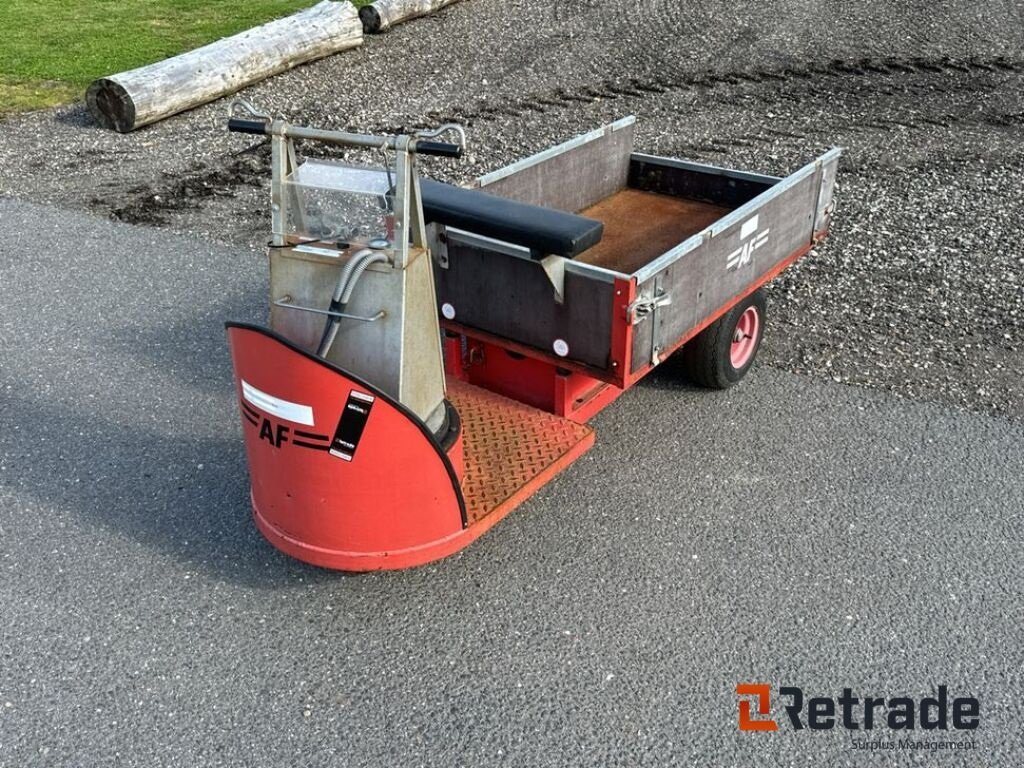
(263, 128)
(238, 125)
(439, 148)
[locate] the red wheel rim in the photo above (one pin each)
(744, 338)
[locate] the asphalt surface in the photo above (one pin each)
(921, 290)
(789, 531)
(850, 516)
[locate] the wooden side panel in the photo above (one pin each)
(725, 265)
(693, 181)
(571, 176)
(512, 297)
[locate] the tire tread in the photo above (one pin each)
(705, 358)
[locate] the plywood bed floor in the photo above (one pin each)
(641, 226)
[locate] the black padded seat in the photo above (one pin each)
(544, 231)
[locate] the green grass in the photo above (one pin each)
(52, 49)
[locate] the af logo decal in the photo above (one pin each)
(277, 434)
(750, 240)
(258, 407)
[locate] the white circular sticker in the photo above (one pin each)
(561, 348)
(448, 311)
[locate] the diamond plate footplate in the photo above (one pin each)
(511, 449)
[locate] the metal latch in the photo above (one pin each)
(645, 306)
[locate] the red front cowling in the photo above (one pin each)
(342, 475)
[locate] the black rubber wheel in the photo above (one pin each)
(722, 353)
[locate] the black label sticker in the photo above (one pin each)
(351, 425)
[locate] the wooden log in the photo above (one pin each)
(381, 15)
(142, 96)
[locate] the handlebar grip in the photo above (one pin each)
(439, 148)
(238, 125)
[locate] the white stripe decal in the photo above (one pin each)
(275, 406)
(749, 227)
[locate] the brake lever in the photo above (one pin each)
(446, 128)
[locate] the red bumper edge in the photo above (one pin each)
(355, 562)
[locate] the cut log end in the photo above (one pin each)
(130, 100)
(111, 105)
(382, 15)
(371, 19)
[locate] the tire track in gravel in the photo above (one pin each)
(561, 98)
(156, 203)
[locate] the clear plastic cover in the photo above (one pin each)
(338, 202)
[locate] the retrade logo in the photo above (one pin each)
(822, 713)
(762, 694)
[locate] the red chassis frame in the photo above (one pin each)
(562, 387)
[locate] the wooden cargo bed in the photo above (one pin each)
(641, 226)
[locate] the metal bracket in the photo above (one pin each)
(826, 215)
(554, 268)
(645, 307)
(437, 244)
(286, 303)
(660, 299)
